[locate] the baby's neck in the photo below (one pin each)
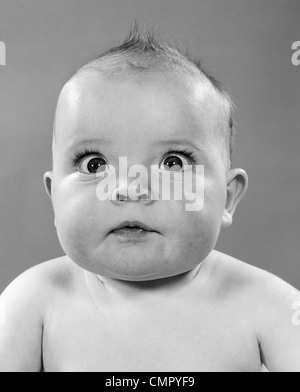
(152, 288)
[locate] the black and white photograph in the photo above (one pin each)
(150, 189)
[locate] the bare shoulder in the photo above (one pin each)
(273, 302)
(238, 274)
(273, 306)
(39, 282)
(23, 306)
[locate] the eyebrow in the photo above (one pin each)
(74, 143)
(181, 142)
(177, 142)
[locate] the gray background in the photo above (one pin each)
(247, 44)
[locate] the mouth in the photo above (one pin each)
(132, 229)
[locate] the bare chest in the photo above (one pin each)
(149, 338)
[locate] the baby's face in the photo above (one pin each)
(140, 118)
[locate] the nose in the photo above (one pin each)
(124, 194)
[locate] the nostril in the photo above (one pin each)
(117, 196)
(121, 197)
(145, 197)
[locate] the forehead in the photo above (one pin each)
(136, 108)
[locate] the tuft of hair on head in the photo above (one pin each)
(145, 53)
(141, 52)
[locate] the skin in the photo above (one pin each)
(128, 113)
(169, 303)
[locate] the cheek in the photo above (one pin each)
(78, 221)
(215, 197)
(199, 228)
(192, 229)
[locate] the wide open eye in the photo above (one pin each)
(174, 163)
(92, 165)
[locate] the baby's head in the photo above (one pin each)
(153, 105)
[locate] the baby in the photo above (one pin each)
(141, 287)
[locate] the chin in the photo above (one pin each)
(137, 275)
(140, 271)
(132, 270)
(146, 277)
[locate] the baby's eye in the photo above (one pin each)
(175, 163)
(92, 165)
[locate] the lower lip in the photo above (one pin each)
(132, 233)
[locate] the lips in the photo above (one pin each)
(133, 225)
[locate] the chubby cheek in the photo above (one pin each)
(195, 232)
(78, 222)
(203, 226)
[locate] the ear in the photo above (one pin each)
(237, 185)
(48, 183)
